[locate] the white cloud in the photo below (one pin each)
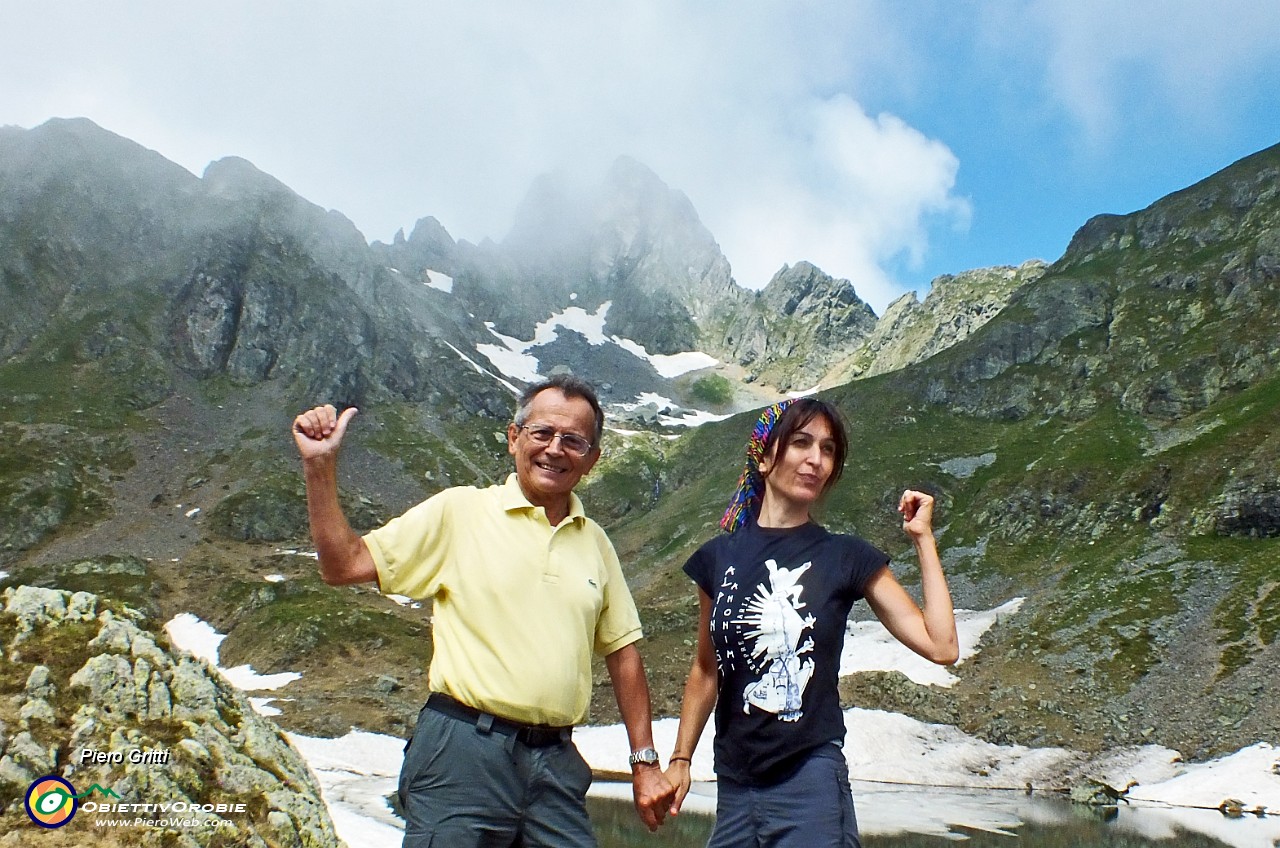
(1174, 61)
(406, 109)
(790, 127)
(871, 188)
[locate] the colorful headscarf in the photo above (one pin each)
(750, 492)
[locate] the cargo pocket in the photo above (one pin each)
(425, 746)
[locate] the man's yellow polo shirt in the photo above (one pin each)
(519, 605)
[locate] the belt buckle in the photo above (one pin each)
(540, 737)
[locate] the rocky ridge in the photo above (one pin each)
(792, 330)
(911, 330)
(257, 283)
(1165, 311)
(638, 244)
(116, 259)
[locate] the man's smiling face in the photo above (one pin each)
(548, 473)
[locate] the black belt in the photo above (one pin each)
(533, 735)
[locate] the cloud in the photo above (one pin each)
(868, 190)
(1169, 61)
(398, 110)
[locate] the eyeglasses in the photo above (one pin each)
(541, 434)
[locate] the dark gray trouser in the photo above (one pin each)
(462, 788)
(811, 809)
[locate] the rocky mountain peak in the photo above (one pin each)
(428, 248)
(807, 289)
(626, 238)
(554, 215)
(235, 178)
(92, 178)
(634, 199)
(257, 202)
(788, 334)
(430, 233)
(956, 307)
(626, 218)
(60, 143)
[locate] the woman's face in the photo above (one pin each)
(798, 471)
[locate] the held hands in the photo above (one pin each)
(678, 777)
(652, 794)
(318, 432)
(917, 513)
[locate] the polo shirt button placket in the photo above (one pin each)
(549, 572)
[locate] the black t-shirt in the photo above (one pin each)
(780, 599)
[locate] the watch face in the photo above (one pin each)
(648, 756)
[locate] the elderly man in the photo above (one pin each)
(525, 588)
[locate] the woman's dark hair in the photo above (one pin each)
(800, 413)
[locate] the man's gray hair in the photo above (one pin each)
(571, 387)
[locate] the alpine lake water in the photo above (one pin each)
(924, 818)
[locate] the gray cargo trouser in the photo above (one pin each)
(461, 787)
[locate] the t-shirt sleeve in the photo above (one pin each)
(410, 550)
(619, 623)
(865, 560)
(698, 567)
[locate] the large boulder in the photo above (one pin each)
(92, 696)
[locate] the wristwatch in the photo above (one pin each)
(645, 756)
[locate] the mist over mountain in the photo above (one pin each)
(1100, 430)
(638, 245)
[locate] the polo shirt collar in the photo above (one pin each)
(512, 498)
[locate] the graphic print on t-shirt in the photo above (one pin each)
(770, 630)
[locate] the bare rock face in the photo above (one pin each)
(795, 328)
(104, 702)
(957, 306)
(1249, 507)
(808, 328)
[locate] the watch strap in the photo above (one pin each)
(644, 756)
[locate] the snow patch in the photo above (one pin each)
(513, 357)
(805, 392)
(296, 552)
(436, 280)
(868, 646)
(1210, 784)
(487, 373)
(356, 773)
(514, 364)
(669, 364)
(262, 706)
(197, 637)
(693, 419)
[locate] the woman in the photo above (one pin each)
(775, 594)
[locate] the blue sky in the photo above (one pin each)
(887, 142)
(1110, 107)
